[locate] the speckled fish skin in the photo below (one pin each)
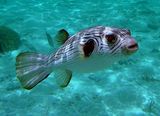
(71, 55)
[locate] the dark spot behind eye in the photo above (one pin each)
(88, 48)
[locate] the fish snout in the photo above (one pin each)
(132, 46)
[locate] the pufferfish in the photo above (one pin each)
(89, 50)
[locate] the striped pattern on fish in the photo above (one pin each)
(89, 50)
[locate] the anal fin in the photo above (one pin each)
(63, 77)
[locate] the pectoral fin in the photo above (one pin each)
(50, 39)
(60, 38)
(63, 77)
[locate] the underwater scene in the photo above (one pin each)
(128, 87)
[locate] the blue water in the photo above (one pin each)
(127, 88)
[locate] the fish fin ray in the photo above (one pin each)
(31, 69)
(59, 39)
(63, 77)
(61, 36)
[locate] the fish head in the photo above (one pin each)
(116, 41)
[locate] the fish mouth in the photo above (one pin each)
(131, 48)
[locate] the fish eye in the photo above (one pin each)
(111, 38)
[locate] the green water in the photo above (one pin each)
(128, 88)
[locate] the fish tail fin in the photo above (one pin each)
(31, 69)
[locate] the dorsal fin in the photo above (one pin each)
(61, 36)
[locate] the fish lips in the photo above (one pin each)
(132, 48)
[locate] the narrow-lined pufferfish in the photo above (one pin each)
(89, 50)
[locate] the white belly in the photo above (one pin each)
(90, 64)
